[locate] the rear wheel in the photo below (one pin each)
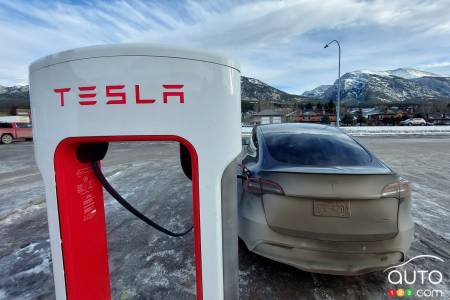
(7, 139)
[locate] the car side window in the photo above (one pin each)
(5, 125)
(23, 125)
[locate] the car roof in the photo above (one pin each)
(298, 128)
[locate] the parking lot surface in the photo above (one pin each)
(145, 264)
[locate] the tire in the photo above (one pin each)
(7, 139)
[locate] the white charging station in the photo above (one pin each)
(136, 92)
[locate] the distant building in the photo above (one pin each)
(310, 116)
(23, 111)
(268, 116)
(366, 112)
(410, 110)
(387, 118)
(438, 118)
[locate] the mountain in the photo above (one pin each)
(406, 73)
(14, 96)
(255, 90)
(318, 92)
(439, 84)
(392, 86)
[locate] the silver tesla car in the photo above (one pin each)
(314, 198)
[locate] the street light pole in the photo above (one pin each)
(338, 106)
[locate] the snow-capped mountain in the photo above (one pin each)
(406, 73)
(439, 84)
(14, 96)
(392, 86)
(317, 92)
(16, 89)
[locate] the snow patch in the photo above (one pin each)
(28, 249)
(114, 175)
(382, 130)
(157, 275)
(2, 294)
(31, 251)
(185, 275)
(244, 278)
(255, 81)
(161, 254)
(428, 212)
(396, 130)
(43, 267)
(20, 212)
(406, 73)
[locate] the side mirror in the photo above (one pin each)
(244, 172)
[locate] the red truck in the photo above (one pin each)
(15, 130)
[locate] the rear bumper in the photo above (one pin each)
(340, 258)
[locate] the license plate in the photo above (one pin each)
(332, 208)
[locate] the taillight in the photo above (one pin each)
(399, 189)
(262, 186)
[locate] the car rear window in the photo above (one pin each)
(319, 149)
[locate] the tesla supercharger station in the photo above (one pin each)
(136, 92)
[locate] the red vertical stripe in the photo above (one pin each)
(82, 219)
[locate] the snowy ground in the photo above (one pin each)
(382, 130)
(145, 264)
(396, 130)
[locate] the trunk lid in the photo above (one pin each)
(333, 206)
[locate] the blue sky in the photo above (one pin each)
(279, 42)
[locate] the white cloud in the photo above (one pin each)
(435, 65)
(278, 42)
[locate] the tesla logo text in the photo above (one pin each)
(115, 94)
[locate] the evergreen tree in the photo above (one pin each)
(330, 107)
(347, 119)
(361, 119)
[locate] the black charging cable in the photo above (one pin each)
(129, 207)
(93, 153)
